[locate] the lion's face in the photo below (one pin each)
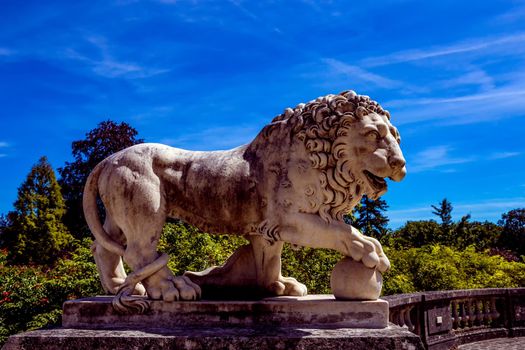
(375, 145)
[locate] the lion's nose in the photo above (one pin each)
(396, 162)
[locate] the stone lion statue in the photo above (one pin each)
(293, 183)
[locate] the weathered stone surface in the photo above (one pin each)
(312, 310)
(293, 183)
(232, 338)
(351, 280)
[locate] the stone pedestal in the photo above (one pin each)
(310, 310)
(311, 322)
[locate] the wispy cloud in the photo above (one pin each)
(6, 52)
(505, 102)
(358, 73)
(514, 15)
(238, 5)
(476, 77)
(503, 155)
(108, 66)
(214, 138)
(436, 157)
(478, 44)
(3, 144)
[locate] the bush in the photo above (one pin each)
(437, 267)
(32, 296)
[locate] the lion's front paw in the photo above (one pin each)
(163, 285)
(369, 251)
(288, 286)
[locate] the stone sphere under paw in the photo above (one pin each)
(352, 280)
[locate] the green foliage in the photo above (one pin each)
(437, 267)
(369, 218)
(107, 138)
(513, 235)
(310, 266)
(444, 212)
(416, 234)
(192, 250)
(31, 297)
(36, 233)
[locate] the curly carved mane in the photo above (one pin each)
(323, 125)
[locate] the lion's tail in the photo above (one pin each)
(89, 203)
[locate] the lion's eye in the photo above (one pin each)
(372, 135)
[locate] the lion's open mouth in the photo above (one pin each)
(376, 183)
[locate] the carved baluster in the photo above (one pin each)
(479, 312)
(493, 310)
(408, 321)
(392, 316)
(462, 316)
(455, 317)
(468, 313)
(402, 317)
(486, 312)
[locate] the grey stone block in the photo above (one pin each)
(231, 338)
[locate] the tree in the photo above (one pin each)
(415, 234)
(444, 212)
(4, 224)
(513, 235)
(370, 218)
(107, 138)
(36, 233)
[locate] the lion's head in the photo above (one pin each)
(350, 141)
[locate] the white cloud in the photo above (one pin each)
(475, 76)
(360, 74)
(505, 102)
(214, 138)
(3, 155)
(503, 155)
(6, 52)
(479, 44)
(109, 67)
(238, 5)
(514, 15)
(435, 157)
(3, 144)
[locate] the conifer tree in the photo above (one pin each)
(444, 212)
(36, 233)
(370, 219)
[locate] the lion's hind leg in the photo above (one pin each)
(143, 231)
(109, 265)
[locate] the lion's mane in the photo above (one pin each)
(323, 126)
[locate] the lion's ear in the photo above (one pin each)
(360, 112)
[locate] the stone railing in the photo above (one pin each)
(447, 319)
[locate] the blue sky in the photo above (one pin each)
(209, 74)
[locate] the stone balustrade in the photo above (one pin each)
(446, 319)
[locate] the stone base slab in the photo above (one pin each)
(260, 338)
(309, 311)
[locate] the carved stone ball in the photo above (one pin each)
(352, 280)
